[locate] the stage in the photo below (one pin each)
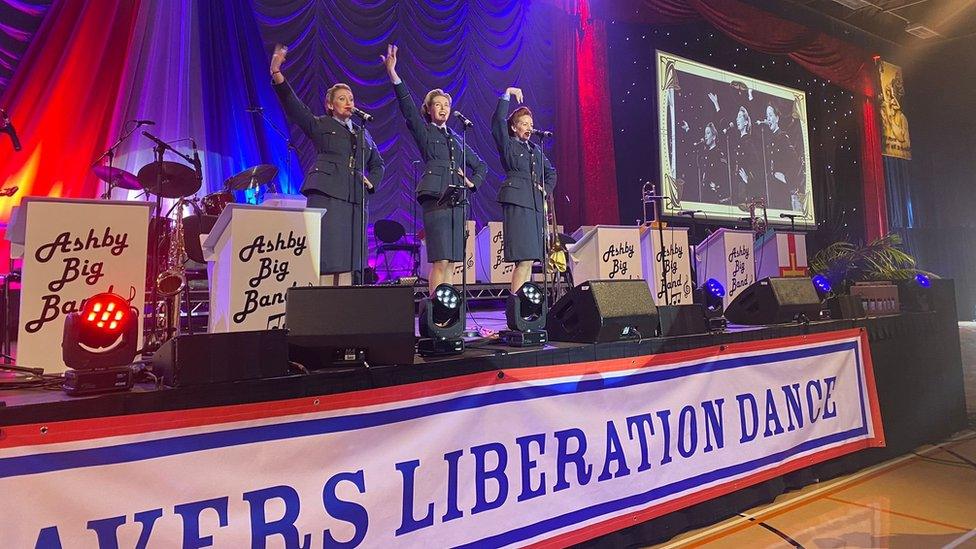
(916, 370)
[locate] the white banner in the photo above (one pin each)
(558, 454)
(73, 250)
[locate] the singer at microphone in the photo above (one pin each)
(713, 169)
(527, 169)
(347, 161)
(442, 175)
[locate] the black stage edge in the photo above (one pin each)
(917, 367)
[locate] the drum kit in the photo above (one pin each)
(177, 181)
(167, 255)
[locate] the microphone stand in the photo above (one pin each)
(158, 151)
(658, 210)
(545, 222)
(110, 153)
(286, 137)
(464, 226)
(415, 255)
(363, 248)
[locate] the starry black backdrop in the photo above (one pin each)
(833, 118)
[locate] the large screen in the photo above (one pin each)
(728, 141)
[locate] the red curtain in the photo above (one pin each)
(61, 100)
(587, 175)
(841, 63)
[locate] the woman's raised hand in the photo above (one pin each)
(390, 60)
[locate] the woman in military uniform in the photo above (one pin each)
(338, 176)
(528, 174)
(441, 151)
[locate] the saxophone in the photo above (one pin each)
(172, 280)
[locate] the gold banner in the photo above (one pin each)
(894, 125)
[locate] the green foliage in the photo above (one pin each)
(844, 263)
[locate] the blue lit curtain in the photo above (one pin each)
(473, 49)
(194, 68)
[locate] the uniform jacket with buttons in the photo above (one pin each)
(338, 159)
(522, 162)
(433, 144)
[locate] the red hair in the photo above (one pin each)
(516, 114)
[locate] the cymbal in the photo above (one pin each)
(169, 179)
(252, 177)
(117, 177)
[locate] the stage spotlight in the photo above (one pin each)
(525, 312)
(442, 322)
(923, 280)
(710, 296)
(822, 284)
(99, 344)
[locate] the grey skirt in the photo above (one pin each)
(523, 233)
(342, 237)
(442, 230)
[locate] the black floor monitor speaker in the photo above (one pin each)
(774, 301)
(330, 326)
(679, 320)
(213, 358)
(603, 310)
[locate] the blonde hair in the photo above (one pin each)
(429, 99)
(516, 114)
(330, 94)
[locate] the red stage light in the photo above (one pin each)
(102, 334)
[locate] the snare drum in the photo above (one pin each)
(214, 203)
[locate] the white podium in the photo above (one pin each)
(727, 256)
(492, 267)
(781, 253)
(674, 260)
(74, 249)
(254, 254)
(606, 252)
(469, 255)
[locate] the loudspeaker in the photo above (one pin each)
(603, 310)
(845, 306)
(774, 301)
(213, 358)
(334, 325)
(679, 320)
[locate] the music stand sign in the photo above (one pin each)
(73, 250)
(254, 255)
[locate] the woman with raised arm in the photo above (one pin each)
(528, 173)
(441, 150)
(336, 180)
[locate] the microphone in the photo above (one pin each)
(699, 142)
(364, 116)
(789, 216)
(762, 122)
(729, 127)
(689, 213)
(144, 123)
(254, 109)
(7, 127)
(464, 121)
(157, 140)
(543, 133)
